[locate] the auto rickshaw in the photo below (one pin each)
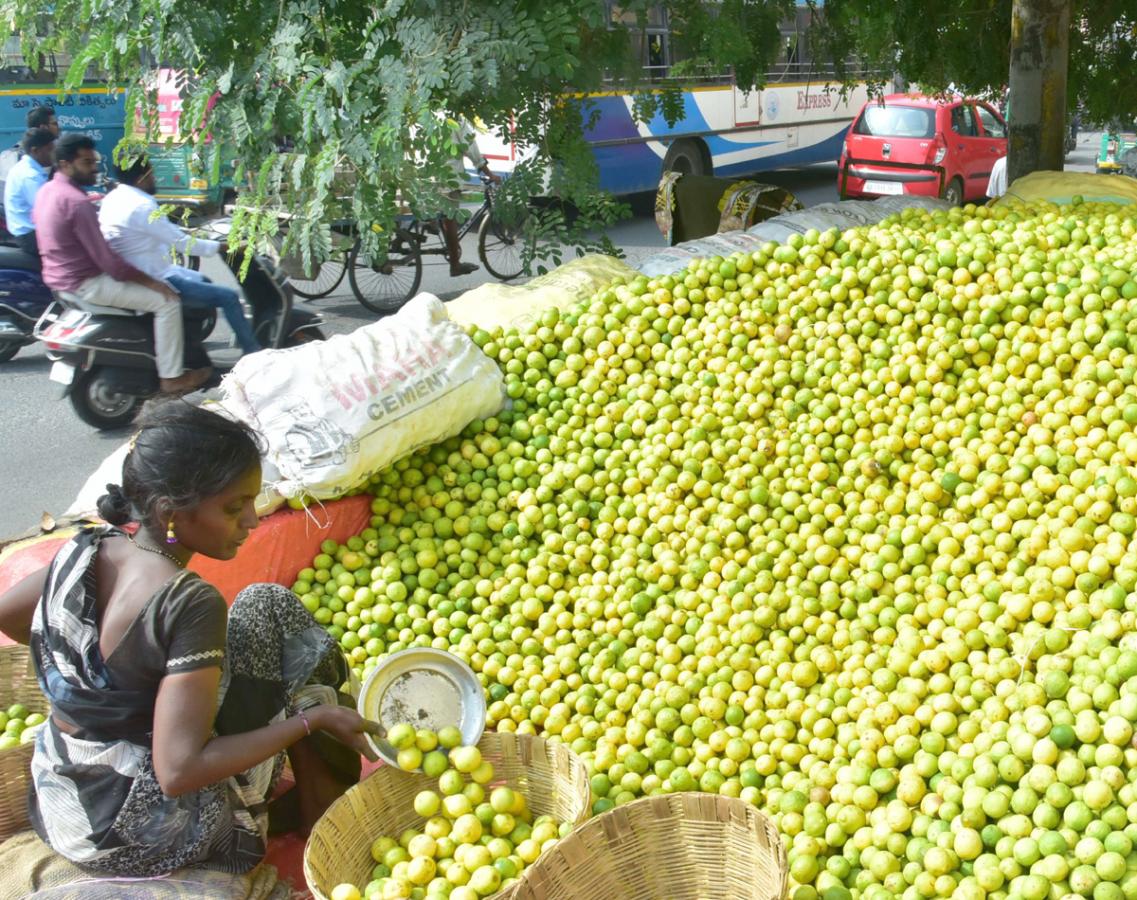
(1117, 140)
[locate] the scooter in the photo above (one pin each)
(23, 295)
(23, 299)
(105, 360)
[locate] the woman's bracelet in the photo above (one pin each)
(303, 718)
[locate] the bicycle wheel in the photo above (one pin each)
(383, 286)
(327, 279)
(500, 247)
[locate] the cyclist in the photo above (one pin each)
(467, 136)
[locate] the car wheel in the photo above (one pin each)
(687, 158)
(953, 193)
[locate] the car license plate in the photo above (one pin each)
(62, 373)
(884, 187)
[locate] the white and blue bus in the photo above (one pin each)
(798, 118)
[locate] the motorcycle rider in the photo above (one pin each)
(129, 219)
(78, 261)
(23, 183)
(38, 117)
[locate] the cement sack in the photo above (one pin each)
(334, 413)
(516, 306)
(1063, 187)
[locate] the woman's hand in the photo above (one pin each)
(346, 726)
(187, 756)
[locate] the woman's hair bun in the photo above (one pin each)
(113, 506)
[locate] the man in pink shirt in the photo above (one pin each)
(77, 260)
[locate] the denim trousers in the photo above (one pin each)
(198, 291)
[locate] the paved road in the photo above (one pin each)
(48, 453)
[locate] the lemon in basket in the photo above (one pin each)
(468, 844)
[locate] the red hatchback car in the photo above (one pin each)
(912, 144)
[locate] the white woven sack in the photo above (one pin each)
(336, 412)
(679, 257)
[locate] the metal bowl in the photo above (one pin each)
(426, 688)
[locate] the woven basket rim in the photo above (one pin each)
(19, 686)
(578, 853)
(342, 823)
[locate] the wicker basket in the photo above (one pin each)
(19, 686)
(552, 778)
(685, 846)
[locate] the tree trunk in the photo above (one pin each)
(1040, 52)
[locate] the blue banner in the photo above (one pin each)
(94, 111)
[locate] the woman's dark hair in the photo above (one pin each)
(181, 455)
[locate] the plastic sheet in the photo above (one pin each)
(1063, 187)
(824, 216)
(516, 305)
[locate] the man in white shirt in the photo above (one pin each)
(127, 220)
(997, 183)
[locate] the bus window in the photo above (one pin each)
(656, 59)
(649, 43)
(790, 49)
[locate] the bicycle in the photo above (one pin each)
(326, 279)
(384, 286)
(331, 271)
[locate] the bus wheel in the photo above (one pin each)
(687, 157)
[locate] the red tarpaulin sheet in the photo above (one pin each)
(282, 545)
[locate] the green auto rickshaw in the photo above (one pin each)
(1117, 141)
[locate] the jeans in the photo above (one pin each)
(199, 291)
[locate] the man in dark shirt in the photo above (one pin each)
(38, 117)
(77, 260)
(23, 183)
(43, 117)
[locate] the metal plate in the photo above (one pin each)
(884, 187)
(61, 373)
(426, 688)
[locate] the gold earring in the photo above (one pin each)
(171, 538)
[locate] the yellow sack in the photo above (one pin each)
(1062, 187)
(33, 870)
(505, 305)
